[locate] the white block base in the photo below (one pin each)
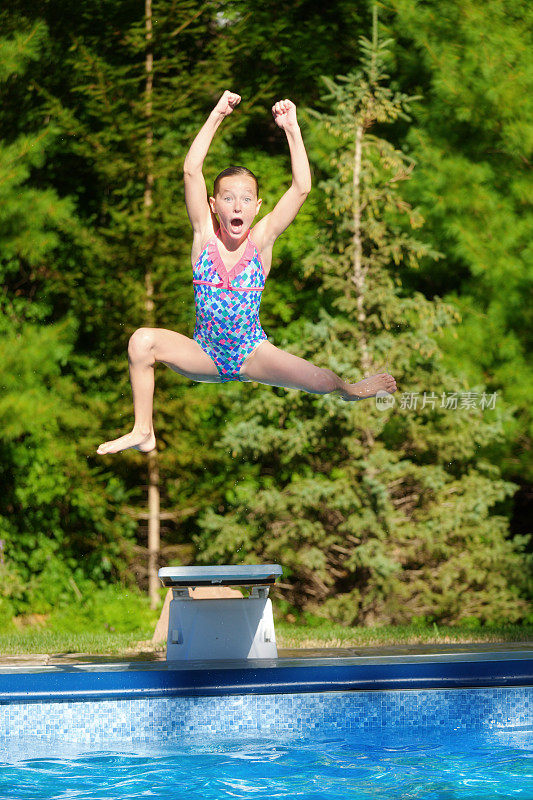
(208, 630)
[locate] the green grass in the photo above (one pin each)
(46, 642)
(110, 621)
(41, 641)
(330, 635)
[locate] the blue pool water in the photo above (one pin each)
(430, 764)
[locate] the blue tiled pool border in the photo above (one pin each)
(170, 719)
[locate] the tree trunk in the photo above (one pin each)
(358, 275)
(359, 271)
(153, 465)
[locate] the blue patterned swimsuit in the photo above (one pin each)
(227, 307)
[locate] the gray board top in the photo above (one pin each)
(231, 575)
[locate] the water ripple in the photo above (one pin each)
(435, 766)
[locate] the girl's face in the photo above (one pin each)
(235, 204)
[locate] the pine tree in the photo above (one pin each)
(378, 515)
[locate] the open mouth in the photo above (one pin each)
(236, 224)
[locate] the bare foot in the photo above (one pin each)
(139, 441)
(368, 387)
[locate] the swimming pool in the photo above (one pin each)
(360, 727)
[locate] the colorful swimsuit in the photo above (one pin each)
(227, 307)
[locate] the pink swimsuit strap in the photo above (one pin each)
(226, 275)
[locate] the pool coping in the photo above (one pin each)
(448, 668)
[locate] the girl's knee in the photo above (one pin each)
(141, 343)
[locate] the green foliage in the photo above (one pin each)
(60, 521)
(61, 525)
(115, 609)
(473, 139)
(17, 51)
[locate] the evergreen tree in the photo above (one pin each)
(377, 515)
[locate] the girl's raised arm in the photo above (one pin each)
(195, 188)
(285, 210)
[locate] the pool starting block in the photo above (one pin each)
(210, 629)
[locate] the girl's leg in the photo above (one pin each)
(146, 346)
(275, 367)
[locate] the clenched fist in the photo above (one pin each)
(227, 103)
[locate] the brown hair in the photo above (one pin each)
(226, 173)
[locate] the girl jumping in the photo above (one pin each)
(231, 261)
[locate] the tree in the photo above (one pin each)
(377, 515)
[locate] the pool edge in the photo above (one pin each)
(122, 680)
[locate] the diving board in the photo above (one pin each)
(220, 628)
